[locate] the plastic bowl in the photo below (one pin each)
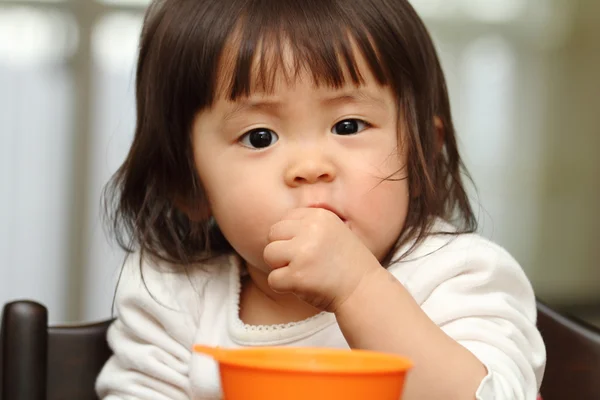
(291, 373)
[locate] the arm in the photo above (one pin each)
(460, 306)
(471, 331)
(151, 338)
(443, 368)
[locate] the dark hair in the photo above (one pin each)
(183, 49)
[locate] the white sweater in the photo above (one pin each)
(471, 288)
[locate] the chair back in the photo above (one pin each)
(38, 362)
(573, 356)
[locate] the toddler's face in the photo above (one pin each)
(303, 146)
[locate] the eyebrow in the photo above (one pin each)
(269, 106)
(355, 96)
(273, 106)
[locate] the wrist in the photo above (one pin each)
(366, 288)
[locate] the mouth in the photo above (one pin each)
(330, 208)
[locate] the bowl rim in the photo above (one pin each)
(243, 358)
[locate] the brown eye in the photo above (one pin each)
(349, 127)
(259, 138)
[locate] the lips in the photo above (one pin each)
(328, 207)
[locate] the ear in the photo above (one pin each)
(440, 134)
(196, 210)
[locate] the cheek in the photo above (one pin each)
(386, 206)
(241, 206)
(394, 198)
(386, 211)
(243, 211)
(382, 204)
(237, 199)
(238, 193)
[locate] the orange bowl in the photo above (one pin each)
(290, 373)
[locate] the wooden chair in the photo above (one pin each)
(38, 362)
(573, 351)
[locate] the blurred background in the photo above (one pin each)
(525, 88)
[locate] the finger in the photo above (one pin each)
(297, 213)
(284, 230)
(278, 254)
(281, 280)
(307, 212)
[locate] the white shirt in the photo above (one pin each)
(471, 288)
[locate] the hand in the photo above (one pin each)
(314, 255)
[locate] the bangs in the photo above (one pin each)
(256, 42)
(318, 41)
(231, 48)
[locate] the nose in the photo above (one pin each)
(309, 169)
